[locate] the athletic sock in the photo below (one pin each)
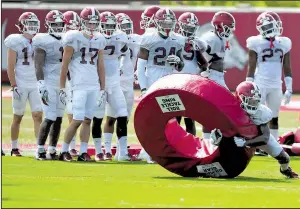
(107, 142)
(65, 147)
(14, 144)
(123, 146)
(83, 147)
(98, 146)
(73, 143)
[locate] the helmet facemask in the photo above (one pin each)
(187, 30)
(269, 28)
(226, 30)
(56, 28)
(126, 26)
(147, 22)
(166, 26)
(251, 103)
(90, 26)
(30, 26)
(109, 27)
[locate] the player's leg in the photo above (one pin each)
(18, 112)
(36, 109)
(72, 147)
(274, 149)
(108, 131)
(190, 126)
(79, 101)
(85, 129)
(273, 101)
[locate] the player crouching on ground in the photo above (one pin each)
(250, 97)
(48, 56)
(21, 74)
(83, 56)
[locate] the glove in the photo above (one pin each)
(16, 93)
(215, 136)
(173, 60)
(136, 80)
(198, 45)
(102, 99)
(239, 141)
(204, 73)
(287, 97)
(63, 96)
(43, 92)
(250, 79)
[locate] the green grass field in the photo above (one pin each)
(30, 183)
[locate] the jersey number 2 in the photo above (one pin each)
(163, 55)
(270, 53)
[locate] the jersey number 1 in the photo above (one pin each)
(25, 51)
(83, 61)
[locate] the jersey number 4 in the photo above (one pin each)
(162, 55)
(270, 53)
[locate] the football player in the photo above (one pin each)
(160, 52)
(126, 67)
(192, 54)
(48, 56)
(72, 21)
(83, 56)
(22, 76)
(116, 45)
(249, 95)
(268, 53)
(217, 44)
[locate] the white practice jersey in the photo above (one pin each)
(24, 68)
(159, 49)
(112, 52)
(215, 46)
(189, 56)
(83, 66)
(128, 61)
(54, 51)
(269, 60)
(262, 116)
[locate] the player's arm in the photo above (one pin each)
(124, 48)
(39, 62)
(180, 65)
(141, 66)
(101, 70)
(287, 69)
(11, 63)
(67, 56)
(252, 61)
(201, 61)
(262, 139)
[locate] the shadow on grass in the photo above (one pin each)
(237, 179)
(111, 162)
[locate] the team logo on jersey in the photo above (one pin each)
(236, 57)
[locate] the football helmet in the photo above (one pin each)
(108, 23)
(188, 24)
(28, 23)
(249, 95)
(55, 23)
(89, 20)
(165, 21)
(278, 20)
(224, 24)
(72, 20)
(124, 23)
(267, 25)
(147, 17)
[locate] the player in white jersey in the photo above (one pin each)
(249, 96)
(48, 57)
(126, 67)
(116, 45)
(72, 21)
(22, 77)
(217, 44)
(83, 56)
(192, 54)
(268, 54)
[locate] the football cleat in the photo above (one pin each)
(128, 157)
(289, 173)
(65, 156)
(74, 153)
(259, 152)
(41, 156)
(52, 156)
(2, 153)
(85, 157)
(108, 156)
(99, 157)
(15, 152)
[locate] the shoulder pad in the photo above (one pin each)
(146, 40)
(13, 41)
(70, 37)
(40, 41)
(252, 42)
(262, 116)
(286, 42)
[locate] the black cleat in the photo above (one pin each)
(15, 152)
(289, 173)
(85, 157)
(2, 153)
(41, 156)
(52, 156)
(65, 156)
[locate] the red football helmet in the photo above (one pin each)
(147, 17)
(108, 23)
(261, 23)
(249, 95)
(72, 20)
(124, 23)
(165, 21)
(55, 22)
(90, 20)
(188, 24)
(224, 24)
(28, 23)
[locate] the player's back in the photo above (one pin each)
(83, 66)
(262, 116)
(24, 68)
(269, 59)
(53, 48)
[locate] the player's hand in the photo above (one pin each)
(102, 98)
(287, 97)
(143, 91)
(239, 141)
(63, 96)
(173, 60)
(215, 136)
(136, 80)
(16, 93)
(204, 73)
(43, 92)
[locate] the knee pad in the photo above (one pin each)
(274, 123)
(283, 158)
(96, 127)
(121, 126)
(58, 120)
(111, 121)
